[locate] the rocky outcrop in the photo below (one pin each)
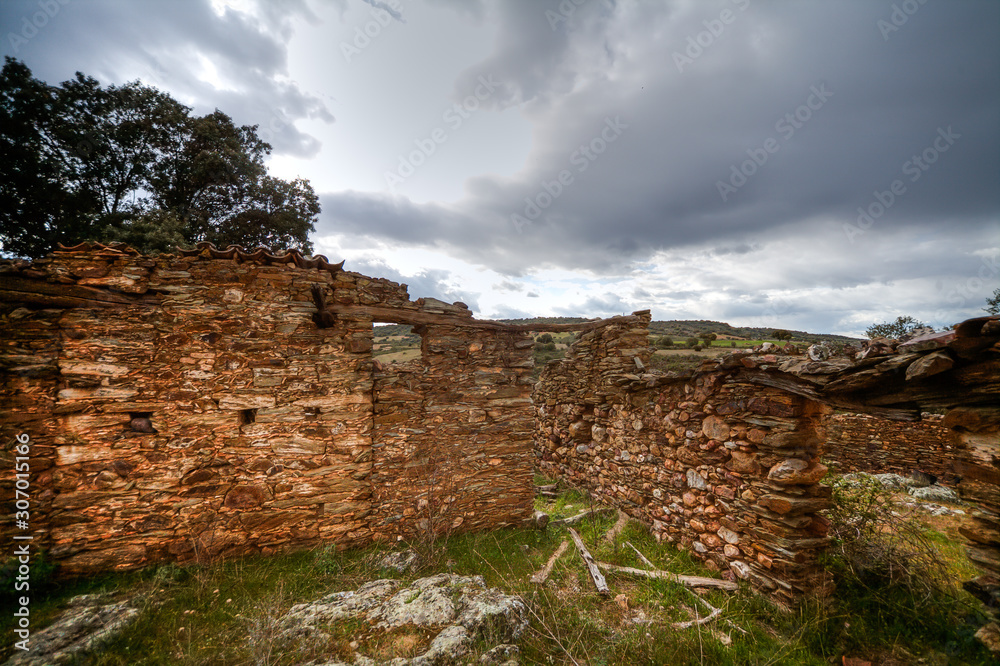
(88, 622)
(461, 609)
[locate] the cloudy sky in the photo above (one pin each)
(809, 165)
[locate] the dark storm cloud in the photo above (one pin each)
(605, 305)
(834, 113)
(166, 44)
(387, 8)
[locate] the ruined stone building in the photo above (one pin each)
(190, 405)
(220, 402)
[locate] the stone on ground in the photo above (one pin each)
(463, 605)
(935, 493)
(89, 622)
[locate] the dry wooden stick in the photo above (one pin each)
(540, 576)
(642, 557)
(588, 559)
(687, 581)
(712, 609)
(708, 618)
(573, 520)
(616, 529)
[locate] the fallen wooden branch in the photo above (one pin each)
(540, 576)
(573, 520)
(702, 620)
(588, 559)
(642, 557)
(616, 529)
(539, 519)
(687, 581)
(713, 611)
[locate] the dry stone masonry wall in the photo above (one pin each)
(726, 461)
(723, 468)
(185, 407)
(453, 434)
(220, 402)
(865, 443)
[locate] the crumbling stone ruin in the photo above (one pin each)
(726, 461)
(189, 406)
(219, 402)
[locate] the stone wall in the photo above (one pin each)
(721, 467)
(864, 443)
(189, 407)
(453, 435)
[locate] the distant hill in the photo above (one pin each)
(678, 330)
(681, 329)
(692, 328)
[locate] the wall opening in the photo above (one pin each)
(141, 422)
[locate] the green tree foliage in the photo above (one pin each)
(707, 338)
(894, 330)
(544, 337)
(993, 303)
(664, 342)
(691, 342)
(130, 163)
(781, 334)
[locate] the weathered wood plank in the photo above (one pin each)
(541, 576)
(588, 559)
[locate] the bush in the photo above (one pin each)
(887, 566)
(664, 342)
(544, 338)
(691, 342)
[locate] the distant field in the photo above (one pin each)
(684, 351)
(399, 356)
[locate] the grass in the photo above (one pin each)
(227, 613)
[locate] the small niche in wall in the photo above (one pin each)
(141, 422)
(247, 416)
